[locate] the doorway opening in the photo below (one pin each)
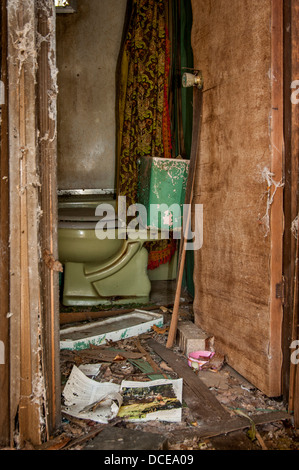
(89, 42)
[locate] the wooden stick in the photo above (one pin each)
(73, 317)
(175, 312)
(149, 359)
(197, 116)
(260, 440)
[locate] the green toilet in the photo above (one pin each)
(112, 270)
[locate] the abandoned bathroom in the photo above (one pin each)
(90, 168)
(113, 103)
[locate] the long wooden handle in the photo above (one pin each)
(197, 116)
(175, 311)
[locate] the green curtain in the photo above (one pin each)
(182, 98)
(154, 113)
(186, 62)
(143, 117)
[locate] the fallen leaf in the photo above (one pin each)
(119, 358)
(164, 309)
(59, 444)
(164, 366)
(160, 331)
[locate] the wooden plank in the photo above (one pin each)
(277, 215)
(296, 398)
(122, 439)
(202, 403)
(291, 208)
(234, 424)
(4, 239)
(15, 249)
(73, 317)
(46, 112)
(233, 269)
(28, 405)
(288, 258)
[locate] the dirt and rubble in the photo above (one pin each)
(238, 397)
(266, 424)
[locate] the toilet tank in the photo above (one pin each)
(162, 182)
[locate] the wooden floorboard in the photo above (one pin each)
(200, 400)
(214, 419)
(231, 425)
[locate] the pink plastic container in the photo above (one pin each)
(198, 358)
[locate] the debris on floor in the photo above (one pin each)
(231, 404)
(122, 439)
(129, 392)
(159, 400)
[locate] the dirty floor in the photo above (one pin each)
(241, 418)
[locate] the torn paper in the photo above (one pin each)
(90, 370)
(159, 400)
(87, 399)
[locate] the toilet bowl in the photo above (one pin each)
(97, 271)
(113, 269)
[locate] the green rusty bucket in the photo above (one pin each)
(161, 190)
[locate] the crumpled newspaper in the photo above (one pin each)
(87, 399)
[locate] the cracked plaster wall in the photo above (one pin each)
(88, 44)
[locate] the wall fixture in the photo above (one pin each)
(66, 6)
(2, 93)
(192, 79)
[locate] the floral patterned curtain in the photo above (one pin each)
(144, 127)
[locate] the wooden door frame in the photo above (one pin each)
(34, 324)
(4, 240)
(47, 129)
(34, 307)
(277, 209)
(291, 137)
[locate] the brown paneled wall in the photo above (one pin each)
(240, 161)
(4, 237)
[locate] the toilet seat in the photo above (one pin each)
(83, 218)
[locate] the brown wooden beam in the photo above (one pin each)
(34, 358)
(288, 262)
(291, 136)
(293, 209)
(232, 424)
(296, 398)
(46, 112)
(4, 239)
(277, 219)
